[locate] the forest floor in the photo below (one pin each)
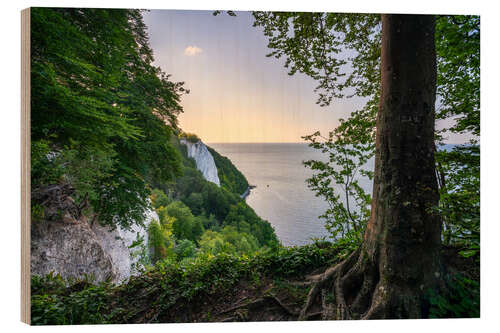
(266, 287)
(263, 300)
(275, 299)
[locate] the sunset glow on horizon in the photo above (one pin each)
(237, 94)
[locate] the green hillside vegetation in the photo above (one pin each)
(104, 120)
(204, 217)
(230, 177)
(191, 137)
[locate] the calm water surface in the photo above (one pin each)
(281, 196)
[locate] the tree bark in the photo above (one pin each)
(399, 259)
(404, 232)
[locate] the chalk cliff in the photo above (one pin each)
(116, 243)
(70, 249)
(64, 242)
(204, 160)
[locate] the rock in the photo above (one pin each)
(63, 242)
(116, 244)
(204, 160)
(69, 249)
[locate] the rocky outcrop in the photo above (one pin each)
(204, 160)
(117, 244)
(69, 249)
(247, 191)
(63, 242)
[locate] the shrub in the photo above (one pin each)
(461, 299)
(159, 199)
(191, 137)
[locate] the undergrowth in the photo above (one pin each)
(460, 299)
(174, 291)
(148, 296)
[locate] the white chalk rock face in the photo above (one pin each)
(204, 160)
(70, 249)
(74, 248)
(116, 243)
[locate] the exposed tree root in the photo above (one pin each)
(264, 299)
(301, 283)
(356, 288)
(362, 299)
(261, 300)
(328, 311)
(319, 282)
(285, 307)
(349, 285)
(241, 305)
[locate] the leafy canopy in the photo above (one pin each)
(341, 52)
(102, 114)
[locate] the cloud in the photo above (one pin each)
(192, 51)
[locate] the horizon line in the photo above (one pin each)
(295, 142)
(254, 142)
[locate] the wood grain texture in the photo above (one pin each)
(25, 166)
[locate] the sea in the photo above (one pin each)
(281, 195)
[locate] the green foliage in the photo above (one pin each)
(139, 254)
(179, 225)
(161, 240)
(289, 262)
(214, 200)
(37, 213)
(458, 61)
(228, 240)
(184, 224)
(349, 208)
(461, 299)
(174, 284)
(216, 207)
(185, 249)
(244, 219)
(209, 222)
(459, 205)
(316, 44)
(202, 214)
(100, 108)
(74, 163)
(230, 177)
(458, 50)
(43, 170)
(159, 199)
(217, 200)
(53, 302)
(195, 202)
(317, 48)
(191, 137)
(197, 229)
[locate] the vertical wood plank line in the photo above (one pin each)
(25, 165)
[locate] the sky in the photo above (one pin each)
(237, 94)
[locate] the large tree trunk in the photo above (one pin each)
(399, 259)
(404, 233)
